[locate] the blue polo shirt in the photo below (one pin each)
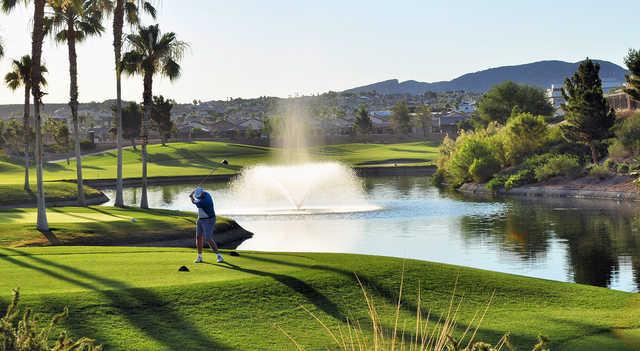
(205, 206)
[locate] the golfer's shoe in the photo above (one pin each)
(198, 260)
(220, 259)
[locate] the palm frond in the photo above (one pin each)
(131, 13)
(8, 5)
(149, 9)
(12, 80)
(171, 69)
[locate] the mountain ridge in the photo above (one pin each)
(540, 73)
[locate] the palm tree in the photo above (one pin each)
(130, 8)
(20, 76)
(73, 21)
(37, 36)
(151, 53)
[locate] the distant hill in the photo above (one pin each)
(541, 74)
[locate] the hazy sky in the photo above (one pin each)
(245, 48)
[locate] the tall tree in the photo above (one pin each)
(423, 119)
(129, 10)
(632, 60)
(589, 117)
(497, 104)
(362, 123)
(151, 53)
(400, 118)
(72, 22)
(20, 76)
(161, 116)
(37, 36)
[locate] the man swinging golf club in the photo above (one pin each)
(206, 222)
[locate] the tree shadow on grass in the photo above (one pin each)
(298, 286)
(142, 308)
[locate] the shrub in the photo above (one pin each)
(610, 164)
(496, 183)
(439, 178)
(522, 177)
(623, 168)
(618, 150)
(482, 147)
(560, 165)
(24, 334)
(599, 171)
(524, 135)
(628, 133)
(482, 169)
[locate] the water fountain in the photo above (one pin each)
(296, 184)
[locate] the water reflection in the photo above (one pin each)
(586, 241)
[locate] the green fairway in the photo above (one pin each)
(135, 299)
(181, 159)
(99, 225)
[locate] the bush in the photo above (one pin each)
(482, 169)
(623, 168)
(522, 177)
(628, 133)
(496, 183)
(600, 172)
(439, 178)
(481, 147)
(560, 165)
(23, 333)
(524, 135)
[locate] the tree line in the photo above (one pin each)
(149, 53)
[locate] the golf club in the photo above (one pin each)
(223, 162)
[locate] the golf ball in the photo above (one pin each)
(133, 220)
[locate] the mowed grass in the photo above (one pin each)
(14, 194)
(198, 158)
(99, 225)
(135, 299)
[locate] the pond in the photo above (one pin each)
(586, 241)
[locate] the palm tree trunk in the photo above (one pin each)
(73, 104)
(147, 98)
(118, 21)
(36, 54)
(27, 136)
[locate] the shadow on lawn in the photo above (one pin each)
(298, 286)
(142, 308)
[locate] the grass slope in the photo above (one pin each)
(135, 299)
(178, 159)
(99, 225)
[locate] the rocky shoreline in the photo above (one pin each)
(617, 188)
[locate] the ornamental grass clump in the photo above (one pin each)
(424, 334)
(22, 333)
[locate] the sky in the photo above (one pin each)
(251, 48)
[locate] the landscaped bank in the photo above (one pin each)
(135, 298)
(110, 226)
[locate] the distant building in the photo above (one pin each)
(447, 123)
(466, 107)
(621, 101)
(555, 98)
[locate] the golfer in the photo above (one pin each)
(206, 222)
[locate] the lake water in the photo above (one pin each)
(586, 241)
